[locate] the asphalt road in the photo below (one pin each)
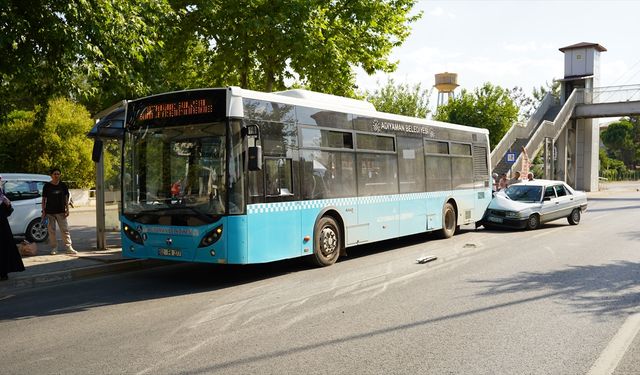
(559, 300)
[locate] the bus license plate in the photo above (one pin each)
(495, 219)
(170, 252)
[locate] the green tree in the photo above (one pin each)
(60, 142)
(96, 51)
(622, 139)
(526, 104)
(314, 42)
(540, 92)
(401, 99)
(612, 169)
(18, 142)
(489, 107)
(65, 142)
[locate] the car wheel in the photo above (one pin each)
(574, 218)
(449, 223)
(36, 232)
(327, 242)
(533, 222)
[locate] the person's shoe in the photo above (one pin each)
(71, 251)
(53, 252)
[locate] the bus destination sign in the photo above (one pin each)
(176, 109)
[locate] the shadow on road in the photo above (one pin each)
(168, 281)
(602, 290)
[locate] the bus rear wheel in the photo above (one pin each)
(327, 242)
(449, 221)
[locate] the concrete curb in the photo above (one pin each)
(18, 283)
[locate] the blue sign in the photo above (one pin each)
(511, 157)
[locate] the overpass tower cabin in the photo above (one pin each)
(446, 83)
(577, 147)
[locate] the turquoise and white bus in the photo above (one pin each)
(234, 176)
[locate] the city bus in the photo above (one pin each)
(233, 176)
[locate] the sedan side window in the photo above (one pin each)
(549, 193)
(560, 190)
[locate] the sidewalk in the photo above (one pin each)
(45, 269)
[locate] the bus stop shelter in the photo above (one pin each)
(109, 128)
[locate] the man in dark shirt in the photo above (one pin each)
(55, 208)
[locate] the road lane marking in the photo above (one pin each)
(618, 346)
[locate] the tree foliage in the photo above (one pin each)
(553, 88)
(314, 42)
(611, 168)
(60, 142)
(401, 99)
(96, 51)
(622, 139)
(526, 104)
(489, 107)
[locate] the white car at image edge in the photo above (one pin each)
(529, 204)
(25, 192)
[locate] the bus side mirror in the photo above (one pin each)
(255, 158)
(252, 132)
(97, 150)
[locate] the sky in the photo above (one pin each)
(513, 43)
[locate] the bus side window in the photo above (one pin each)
(256, 186)
(278, 176)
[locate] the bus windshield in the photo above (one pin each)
(175, 174)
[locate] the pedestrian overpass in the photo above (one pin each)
(564, 128)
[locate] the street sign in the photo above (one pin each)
(511, 157)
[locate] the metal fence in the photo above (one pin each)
(615, 175)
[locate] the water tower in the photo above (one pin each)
(446, 83)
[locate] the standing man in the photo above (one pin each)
(55, 208)
(515, 179)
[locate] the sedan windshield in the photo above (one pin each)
(524, 193)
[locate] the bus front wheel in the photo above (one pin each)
(327, 242)
(449, 221)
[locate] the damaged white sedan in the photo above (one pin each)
(528, 204)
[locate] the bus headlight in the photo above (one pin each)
(211, 237)
(132, 234)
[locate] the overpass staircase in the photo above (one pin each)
(548, 121)
(551, 118)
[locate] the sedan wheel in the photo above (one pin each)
(574, 218)
(533, 222)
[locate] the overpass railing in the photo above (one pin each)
(608, 94)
